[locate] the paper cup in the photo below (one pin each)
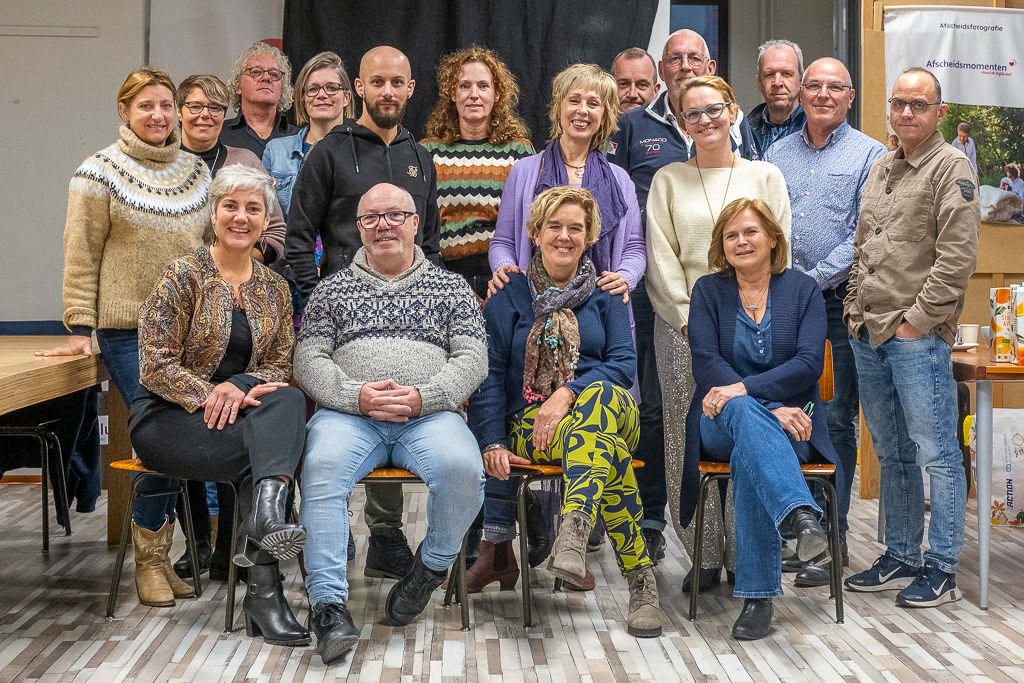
(969, 333)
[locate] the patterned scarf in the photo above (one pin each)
(553, 345)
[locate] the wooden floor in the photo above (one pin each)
(52, 625)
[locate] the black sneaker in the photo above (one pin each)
(930, 587)
(887, 573)
(654, 539)
(335, 632)
(387, 555)
(409, 597)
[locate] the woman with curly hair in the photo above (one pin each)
(475, 135)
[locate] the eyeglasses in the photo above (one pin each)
(370, 221)
(897, 105)
(198, 107)
(713, 111)
(833, 88)
(331, 89)
(694, 58)
(256, 73)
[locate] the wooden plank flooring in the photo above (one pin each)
(52, 624)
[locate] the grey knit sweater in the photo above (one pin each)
(422, 328)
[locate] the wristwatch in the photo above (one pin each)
(493, 447)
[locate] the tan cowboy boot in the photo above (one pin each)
(180, 588)
(150, 555)
(644, 620)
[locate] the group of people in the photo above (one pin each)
(659, 280)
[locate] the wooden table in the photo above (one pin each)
(27, 379)
(977, 366)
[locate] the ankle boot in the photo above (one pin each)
(755, 619)
(266, 525)
(178, 587)
(568, 559)
(204, 550)
(537, 538)
(266, 611)
(496, 562)
(150, 581)
(644, 620)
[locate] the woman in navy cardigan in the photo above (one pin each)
(757, 334)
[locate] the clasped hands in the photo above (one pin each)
(794, 421)
(223, 404)
(388, 401)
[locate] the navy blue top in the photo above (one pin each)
(798, 356)
(752, 348)
(606, 354)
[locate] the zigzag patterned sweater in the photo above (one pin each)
(422, 328)
(470, 179)
(132, 209)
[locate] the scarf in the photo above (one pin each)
(553, 344)
(599, 180)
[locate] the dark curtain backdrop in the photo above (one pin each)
(536, 38)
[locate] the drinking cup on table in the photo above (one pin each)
(969, 333)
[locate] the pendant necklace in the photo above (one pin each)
(576, 170)
(757, 304)
(728, 182)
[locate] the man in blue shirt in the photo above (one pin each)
(780, 66)
(648, 138)
(825, 165)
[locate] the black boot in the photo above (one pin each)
(266, 525)
(409, 597)
(335, 632)
(536, 531)
(204, 551)
(811, 540)
(755, 620)
(387, 554)
(266, 611)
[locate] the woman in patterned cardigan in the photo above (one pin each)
(215, 356)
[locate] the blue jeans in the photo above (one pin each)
(766, 486)
(843, 408)
(651, 449)
(120, 349)
(341, 449)
(910, 409)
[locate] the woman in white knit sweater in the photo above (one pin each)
(685, 200)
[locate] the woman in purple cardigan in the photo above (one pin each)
(584, 113)
(757, 334)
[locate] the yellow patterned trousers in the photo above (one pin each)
(594, 443)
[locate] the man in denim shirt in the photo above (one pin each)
(780, 66)
(826, 165)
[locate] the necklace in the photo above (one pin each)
(757, 304)
(724, 195)
(577, 170)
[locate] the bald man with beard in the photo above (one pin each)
(341, 168)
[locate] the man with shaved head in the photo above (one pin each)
(390, 348)
(347, 162)
(825, 165)
(648, 138)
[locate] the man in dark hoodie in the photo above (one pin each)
(347, 162)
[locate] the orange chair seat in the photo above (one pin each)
(553, 470)
(709, 467)
(131, 465)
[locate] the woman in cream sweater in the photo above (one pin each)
(685, 201)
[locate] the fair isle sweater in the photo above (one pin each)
(470, 179)
(422, 328)
(132, 209)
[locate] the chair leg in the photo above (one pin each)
(190, 538)
(61, 496)
(44, 457)
(698, 542)
(837, 559)
(463, 588)
(524, 551)
(115, 581)
(229, 607)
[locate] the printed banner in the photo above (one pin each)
(976, 53)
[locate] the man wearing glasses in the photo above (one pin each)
(826, 165)
(348, 161)
(261, 80)
(390, 348)
(914, 250)
(648, 138)
(780, 66)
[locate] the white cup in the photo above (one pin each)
(969, 333)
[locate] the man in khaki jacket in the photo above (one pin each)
(914, 250)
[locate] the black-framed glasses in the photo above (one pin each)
(897, 105)
(256, 73)
(832, 88)
(693, 58)
(331, 89)
(198, 107)
(370, 221)
(713, 111)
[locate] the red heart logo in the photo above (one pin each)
(1012, 63)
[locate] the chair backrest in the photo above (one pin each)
(826, 383)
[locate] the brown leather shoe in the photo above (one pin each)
(496, 562)
(588, 583)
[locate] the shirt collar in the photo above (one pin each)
(789, 119)
(830, 139)
(925, 151)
